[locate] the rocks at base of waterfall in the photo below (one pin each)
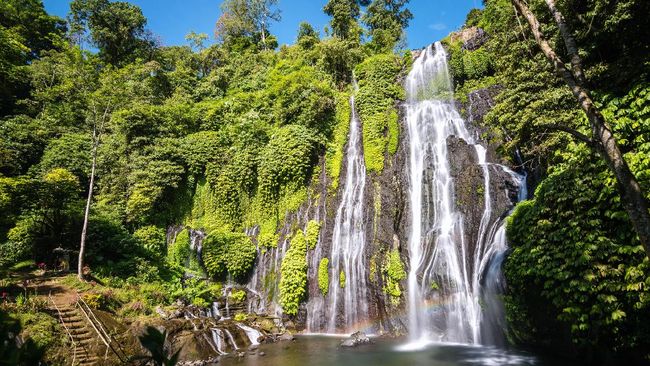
(253, 347)
(286, 337)
(356, 339)
(207, 362)
(175, 314)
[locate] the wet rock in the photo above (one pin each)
(262, 353)
(286, 337)
(480, 102)
(356, 339)
(253, 347)
(472, 38)
(163, 314)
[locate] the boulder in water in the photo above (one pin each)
(286, 337)
(356, 339)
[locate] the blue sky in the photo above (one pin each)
(171, 20)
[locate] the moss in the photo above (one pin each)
(228, 253)
(393, 132)
(179, 251)
(293, 275)
(311, 234)
(324, 276)
(376, 98)
(237, 296)
(394, 273)
(336, 146)
(342, 279)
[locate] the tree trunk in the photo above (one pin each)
(82, 245)
(569, 42)
(634, 200)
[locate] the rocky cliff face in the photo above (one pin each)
(386, 224)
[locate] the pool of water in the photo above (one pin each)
(325, 351)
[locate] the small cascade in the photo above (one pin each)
(219, 341)
(231, 339)
(252, 334)
(216, 313)
(347, 299)
(447, 268)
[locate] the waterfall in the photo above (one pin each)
(219, 342)
(348, 305)
(252, 334)
(448, 277)
(232, 339)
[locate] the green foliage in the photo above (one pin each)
(152, 240)
(117, 29)
(293, 275)
(344, 15)
(342, 279)
(228, 253)
(386, 21)
(312, 233)
(575, 250)
(238, 296)
(308, 37)
(286, 161)
(376, 104)
(467, 65)
(336, 147)
(394, 272)
(324, 276)
(178, 251)
(240, 317)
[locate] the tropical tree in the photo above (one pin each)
(345, 14)
(117, 29)
(246, 20)
(386, 21)
(602, 140)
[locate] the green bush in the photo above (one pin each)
(394, 273)
(336, 146)
(574, 251)
(324, 276)
(376, 99)
(178, 252)
(228, 253)
(286, 162)
(152, 239)
(312, 233)
(238, 296)
(293, 275)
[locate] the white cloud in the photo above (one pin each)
(438, 26)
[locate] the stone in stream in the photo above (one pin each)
(286, 337)
(356, 339)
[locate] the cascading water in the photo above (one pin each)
(348, 299)
(448, 277)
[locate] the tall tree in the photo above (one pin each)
(117, 29)
(345, 14)
(386, 21)
(26, 30)
(602, 139)
(247, 19)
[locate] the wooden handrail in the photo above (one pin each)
(58, 311)
(97, 325)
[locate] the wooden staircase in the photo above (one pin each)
(87, 334)
(82, 337)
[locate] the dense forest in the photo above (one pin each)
(117, 154)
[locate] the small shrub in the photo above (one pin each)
(324, 276)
